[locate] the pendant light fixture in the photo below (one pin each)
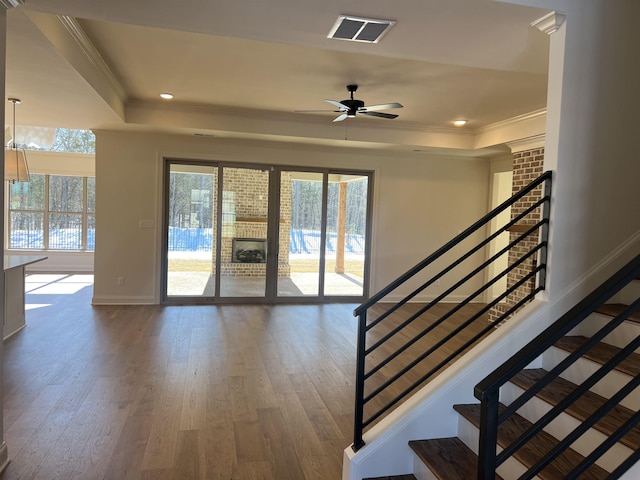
(15, 159)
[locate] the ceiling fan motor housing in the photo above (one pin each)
(353, 105)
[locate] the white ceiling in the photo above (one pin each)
(242, 68)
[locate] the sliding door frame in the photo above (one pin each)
(273, 234)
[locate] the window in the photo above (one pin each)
(26, 213)
(52, 212)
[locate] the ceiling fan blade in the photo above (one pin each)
(313, 111)
(378, 114)
(341, 106)
(340, 118)
(382, 106)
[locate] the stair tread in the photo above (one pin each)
(601, 353)
(531, 452)
(583, 407)
(615, 309)
(410, 476)
(447, 458)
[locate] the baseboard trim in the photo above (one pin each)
(428, 299)
(116, 300)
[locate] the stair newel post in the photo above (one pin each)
(359, 396)
(544, 233)
(488, 435)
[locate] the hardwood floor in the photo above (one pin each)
(150, 392)
(196, 392)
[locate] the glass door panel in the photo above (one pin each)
(300, 232)
(243, 255)
(192, 194)
(346, 235)
(264, 233)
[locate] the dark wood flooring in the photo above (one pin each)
(203, 392)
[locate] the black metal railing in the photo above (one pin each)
(401, 346)
(488, 390)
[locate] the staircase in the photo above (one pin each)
(537, 436)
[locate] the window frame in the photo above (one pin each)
(46, 213)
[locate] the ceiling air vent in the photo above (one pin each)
(358, 29)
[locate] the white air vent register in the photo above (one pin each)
(358, 29)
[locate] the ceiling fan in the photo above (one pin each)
(350, 107)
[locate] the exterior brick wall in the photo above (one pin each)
(245, 209)
(527, 166)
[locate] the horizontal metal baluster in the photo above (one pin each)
(455, 309)
(363, 351)
(431, 350)
(438, 367)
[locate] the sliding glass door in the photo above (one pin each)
(347, 202)
(264, 233)
(244, 228)
(300, 226)
(190, 230)
(323, 222)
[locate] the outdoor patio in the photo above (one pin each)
(190, 275)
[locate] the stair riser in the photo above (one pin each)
(632, 474)
(565, 424)
(583, 368)
(470, 435)
(421, 471)
(620, 337)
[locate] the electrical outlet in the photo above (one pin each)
(120, 281)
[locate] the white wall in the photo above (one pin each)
(60, 262)
(420, 202)
(61, 163)
(592, 135)
(501, 191)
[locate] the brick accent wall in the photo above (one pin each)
(527, 166)
(245, 209)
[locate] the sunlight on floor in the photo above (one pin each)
(33, 306)
(45, 284)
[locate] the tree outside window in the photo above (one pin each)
(52, 212)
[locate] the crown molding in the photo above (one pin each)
(8, 4)
(512, 121)
(79, 36)
(550, 23)
(512, 129)
(524, 144)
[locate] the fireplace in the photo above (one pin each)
(249, 250)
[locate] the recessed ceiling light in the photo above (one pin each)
(460, 123)
(166, 96)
